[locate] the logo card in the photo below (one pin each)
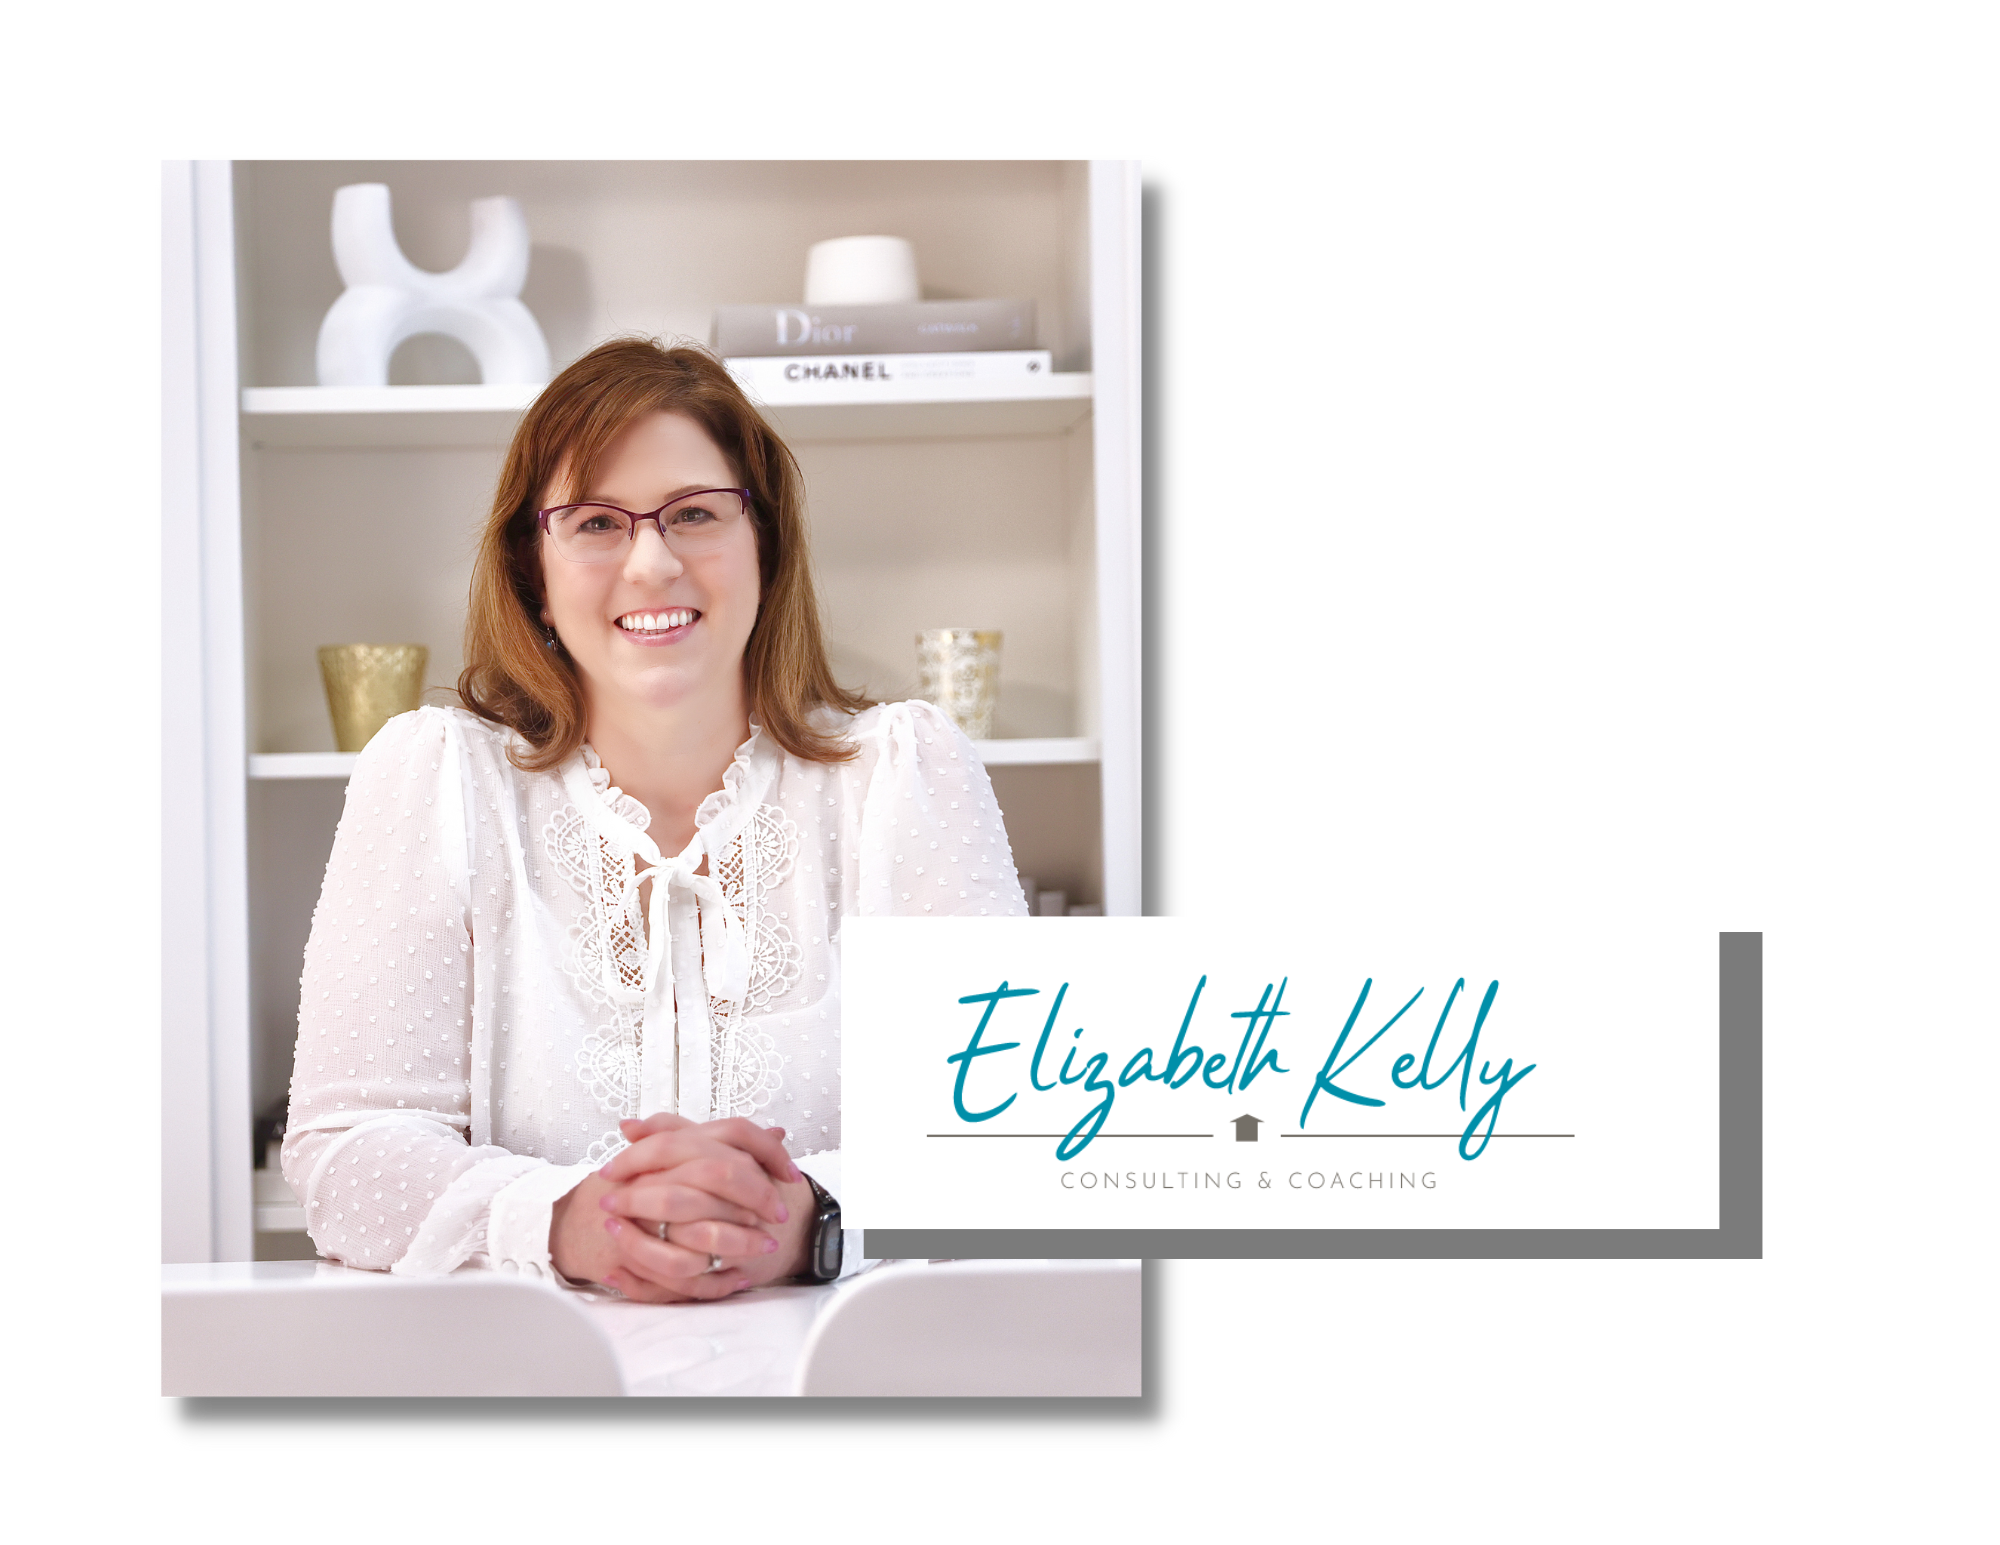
(1154, 1077)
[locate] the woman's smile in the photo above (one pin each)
(666, 625)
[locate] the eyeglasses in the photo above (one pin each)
(603, 533)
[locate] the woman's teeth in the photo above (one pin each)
(656, 622)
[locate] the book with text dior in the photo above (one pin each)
(915, 327)
(888, 374)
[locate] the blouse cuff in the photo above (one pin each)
(517, 1235)
(449, 1236)
(823, 1167)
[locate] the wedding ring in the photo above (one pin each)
(661, 1230)
(714, 1264)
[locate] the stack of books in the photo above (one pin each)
(778, 348)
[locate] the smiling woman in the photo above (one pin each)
(571, 1000)
(611, 427)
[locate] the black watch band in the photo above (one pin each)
(824, 1245)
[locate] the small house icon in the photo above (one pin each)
(1246, 1129)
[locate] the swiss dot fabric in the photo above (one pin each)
(488, 989)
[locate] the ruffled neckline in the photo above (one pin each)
(615, 799)
(735, 781)
(738, 787)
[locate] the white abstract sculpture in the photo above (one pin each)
(389, 299)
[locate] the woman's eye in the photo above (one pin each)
(598, 523)
(692, 515)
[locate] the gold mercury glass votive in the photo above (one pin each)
(367, 685)
(958, 669)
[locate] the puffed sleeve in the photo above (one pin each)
(376, 1145)
(932, 843)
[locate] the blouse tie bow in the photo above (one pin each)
(716, 948)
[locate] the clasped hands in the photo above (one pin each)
(724, 1189)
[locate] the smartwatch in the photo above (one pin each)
(823, 1254)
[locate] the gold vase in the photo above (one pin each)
(958, 669)
(367, 685)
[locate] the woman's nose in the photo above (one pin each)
(650, 557)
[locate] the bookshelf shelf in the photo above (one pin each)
(1053, 751)
(1049, 752)
(352, 401)
(1050, 412)
(275, 1207)
(302, 764)
(361, 417)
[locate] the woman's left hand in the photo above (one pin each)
(702, 1204)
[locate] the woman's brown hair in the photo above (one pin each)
(511, 677)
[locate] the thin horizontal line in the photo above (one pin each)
(1065, 1134)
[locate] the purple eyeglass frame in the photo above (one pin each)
(542, 516)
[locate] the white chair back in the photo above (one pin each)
(312, 1328)
(980, 1328)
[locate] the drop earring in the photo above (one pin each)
(549, 636)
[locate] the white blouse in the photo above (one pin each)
(484, 999)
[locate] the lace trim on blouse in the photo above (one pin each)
(759, 845)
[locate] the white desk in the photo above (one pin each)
(749, 1345)
(900, 1328)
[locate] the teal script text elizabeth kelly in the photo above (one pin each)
(1256, 1052)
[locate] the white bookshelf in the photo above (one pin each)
(955, 504)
